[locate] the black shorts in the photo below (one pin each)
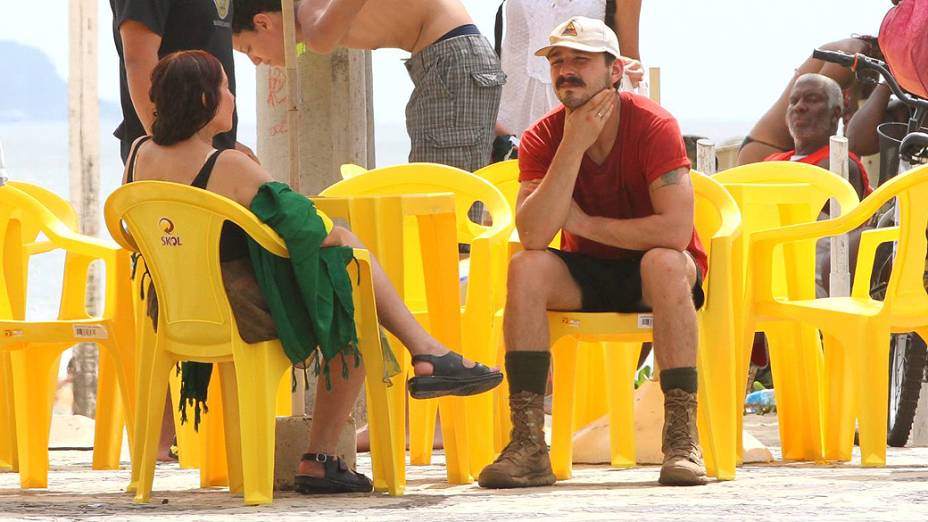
(614, 285)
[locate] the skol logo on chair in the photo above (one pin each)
(168, 239)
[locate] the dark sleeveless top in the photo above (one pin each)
(232, 243)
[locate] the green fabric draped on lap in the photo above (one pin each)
(309, 294)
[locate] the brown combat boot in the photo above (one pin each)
(682, 459)
(524, 461)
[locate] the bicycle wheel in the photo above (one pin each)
(907, 358)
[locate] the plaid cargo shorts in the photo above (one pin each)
(451, 114)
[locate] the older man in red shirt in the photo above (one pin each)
(815, 107)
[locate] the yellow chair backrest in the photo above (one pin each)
(350, 170)
(822, 183)
(59, 206)
(26, 211)
(503, 175)
(176, 228)
(422, 178)
(17, 227)
(716, 214)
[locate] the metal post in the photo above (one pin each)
(840, 280)
(297, 399)
(705, 156)
(84, 167)
(654, 84)
(293, 82)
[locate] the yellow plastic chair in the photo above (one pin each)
(350, 170)
(109, 419)
(718, 224)
(771, 195)
(466, 452)
(503, 175)
(857, 329)
(32, 349)
(176, 228)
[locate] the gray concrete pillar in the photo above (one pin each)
(336, 117)
(336, 127)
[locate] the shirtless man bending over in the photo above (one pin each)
(452, 111)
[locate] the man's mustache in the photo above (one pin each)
(569, 80)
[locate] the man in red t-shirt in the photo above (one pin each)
(610, 171)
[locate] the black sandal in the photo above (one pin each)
(338, 478)
(451, 377)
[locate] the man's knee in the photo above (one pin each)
(529, 270)
(665, 266)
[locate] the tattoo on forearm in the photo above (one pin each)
(674, 177)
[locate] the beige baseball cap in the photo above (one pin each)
(583, 34)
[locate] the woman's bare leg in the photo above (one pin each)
(393, 313)
(166, 438)
(330, 412)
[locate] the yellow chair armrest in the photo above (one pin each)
(362, 254)
(866, 252)
(83, 245)
(833, 227)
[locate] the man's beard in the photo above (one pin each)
(573, 100)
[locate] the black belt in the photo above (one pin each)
(461, 30)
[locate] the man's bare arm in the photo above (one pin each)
(627, 16)
(542, 211)
(542, 206)
(325, 23)
(671, 225)
(140, 52)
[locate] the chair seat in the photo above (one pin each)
(830, 307)
(53, 332)
(600, 326)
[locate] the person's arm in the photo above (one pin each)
(140, 52)
(671, 225)
(542, 209)
(132, 152)
(861, 133)
(324, 23)
(238, 177)
(633, 70)
(627, 17)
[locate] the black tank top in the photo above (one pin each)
(232, 242)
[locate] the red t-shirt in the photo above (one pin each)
(648, 145)
(816, 157)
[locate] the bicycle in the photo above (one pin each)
(908, 355)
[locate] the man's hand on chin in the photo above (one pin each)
(584, 124)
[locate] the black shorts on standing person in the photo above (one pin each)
(183, 25)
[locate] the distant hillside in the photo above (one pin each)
(30, 88)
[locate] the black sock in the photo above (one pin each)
(527, 371)
(679, 379)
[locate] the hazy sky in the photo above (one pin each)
(721, 60)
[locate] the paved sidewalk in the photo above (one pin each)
(761, 492)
